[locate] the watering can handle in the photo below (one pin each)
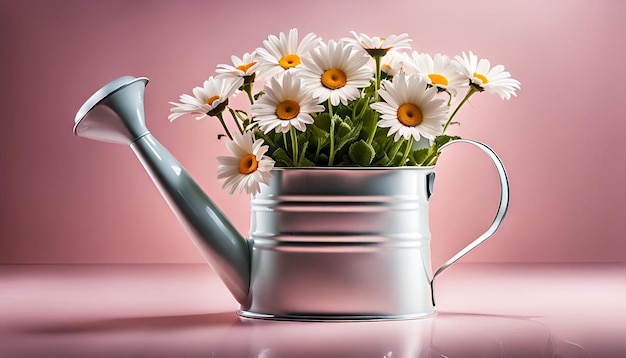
(502, 208)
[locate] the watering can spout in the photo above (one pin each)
(115, 114)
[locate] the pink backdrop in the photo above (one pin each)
(67, 199)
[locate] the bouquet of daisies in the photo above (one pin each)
(359, 101)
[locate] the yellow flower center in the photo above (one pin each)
(248, 164)
(289, 61)
(481, 77)
(287, 109)
(210, 100)
(245, 67)
(410, 115)
(334, 78)
(438, 79)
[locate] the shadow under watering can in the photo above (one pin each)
(326, 243)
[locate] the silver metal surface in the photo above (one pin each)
(115, 114)
(341, 243)
(503, 206)
(213, 234)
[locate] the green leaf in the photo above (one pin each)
(305, 162)
(343, 111)
(349, 137)
(323, 122)
(303, 137)
(258, 95)
(360, 107)
(343, 129)
(361, 153)
(383, 161)
(269, 141)
(369, 118)
(317, 132)
(281, 157)
(419, 156)
(397, 159)
(443, 139)
(303, 149)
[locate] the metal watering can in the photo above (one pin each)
(325, 243)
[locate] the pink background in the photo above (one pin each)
(68, 199)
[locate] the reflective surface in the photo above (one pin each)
(115, 114)
(185, 311)
(341, 244)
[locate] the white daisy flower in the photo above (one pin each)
(441, 71)
(283, 53)
(244, 67)
(410, 108)
(248, 166)
(394, 62)
(484, 77)
(379, 46)
(285, 104)
(336, 71)
(211, 99)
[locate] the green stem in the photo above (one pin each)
(317, 150)
(248, 89)
(330, 108)
(362, 111)
(433, 160)
(370, 138)
(331, 157)
(394, 150)
(236, 119)
(377, 59)
(467, 96)
(409, 145)
(372, 130)
(372, 133)
(285, 141)
(294, 145)
(221, 118)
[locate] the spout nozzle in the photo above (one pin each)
(114, 113)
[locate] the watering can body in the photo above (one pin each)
(324, 244)
(341, 243)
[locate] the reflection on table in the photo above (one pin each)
(184, 311)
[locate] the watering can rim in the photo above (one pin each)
(425, 168)
(102, 94)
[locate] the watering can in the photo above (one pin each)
(325, 244)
